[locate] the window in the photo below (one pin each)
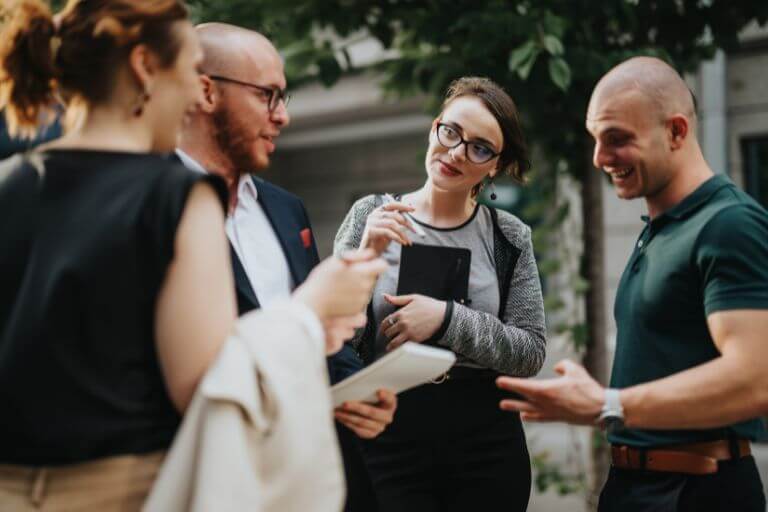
(754, 154)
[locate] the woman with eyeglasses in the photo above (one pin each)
(450, 447)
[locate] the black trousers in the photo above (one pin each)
(736, 487)
(449, 448)
(360, 497)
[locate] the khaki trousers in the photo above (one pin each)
(119, 483)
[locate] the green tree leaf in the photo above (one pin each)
(554, 24)
(525, 69)
(553, 45)
(560, 73)
(521, 55)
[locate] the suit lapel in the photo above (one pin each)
(247, 299)
(286, 225)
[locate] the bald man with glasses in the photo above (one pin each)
(234, 134)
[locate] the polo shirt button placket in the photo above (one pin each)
(639, 255)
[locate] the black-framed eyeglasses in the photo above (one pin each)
(273, 94)
(476, 152)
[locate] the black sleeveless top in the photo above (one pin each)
(85, 248)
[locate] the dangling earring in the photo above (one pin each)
(138, 108)
(493, 189)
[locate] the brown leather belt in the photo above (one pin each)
(692, 459)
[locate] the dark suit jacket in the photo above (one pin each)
(289, 219)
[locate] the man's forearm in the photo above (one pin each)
(721, 392)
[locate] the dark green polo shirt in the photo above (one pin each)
(708, 253)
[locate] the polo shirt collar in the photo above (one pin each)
(694, 200)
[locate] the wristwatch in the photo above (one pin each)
(612, 414)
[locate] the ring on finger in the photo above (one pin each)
(392, 321)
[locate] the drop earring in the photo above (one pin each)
(138, 108)
(493, 190)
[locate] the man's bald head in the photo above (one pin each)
(243, 108)
(656, 81)
(229, 48)
(642, 118)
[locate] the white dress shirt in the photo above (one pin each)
(255, 241)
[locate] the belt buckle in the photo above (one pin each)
(624, 450)
(440, 379)
(622, 456)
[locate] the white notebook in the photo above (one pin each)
(404, 368)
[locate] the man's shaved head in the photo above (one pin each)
(652, 78)
(229, 48)
(642, 117)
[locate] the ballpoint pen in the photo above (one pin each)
(414, 224)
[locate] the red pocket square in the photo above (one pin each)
(306, 237)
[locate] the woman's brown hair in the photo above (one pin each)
(73, 56)
(514, 158)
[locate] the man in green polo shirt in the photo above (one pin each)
(690, 374)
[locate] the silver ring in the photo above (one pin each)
(392, 321)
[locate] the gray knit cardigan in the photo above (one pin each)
(513, 342)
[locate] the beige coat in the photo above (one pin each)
(258, 435)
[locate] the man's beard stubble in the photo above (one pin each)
(231, 142)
